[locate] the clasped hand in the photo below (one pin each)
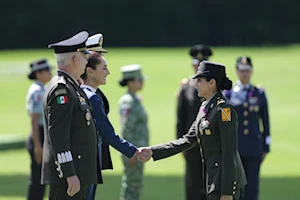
(144, 154)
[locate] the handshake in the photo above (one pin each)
(143, 154)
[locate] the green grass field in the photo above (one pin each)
(276, 68)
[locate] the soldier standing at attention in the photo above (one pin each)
(41, 74)
(134, 129)
(215, 130)
(188, 105)
(70, 145)
(252, 106)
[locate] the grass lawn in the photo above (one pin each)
(275, 68)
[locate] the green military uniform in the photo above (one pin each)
(215, 131)
(134, 129)
(70, 145)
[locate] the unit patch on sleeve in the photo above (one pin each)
(226, 114)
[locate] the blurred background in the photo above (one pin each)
(157, 35)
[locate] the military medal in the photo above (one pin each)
(82, 100)
(88, 118)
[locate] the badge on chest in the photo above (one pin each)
(204, 128)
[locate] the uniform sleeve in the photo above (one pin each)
(227, 122)
(181, 114)
(37, 102)
(264, 114)
(59, 114)
(186, 142)
(128, 121)
(106, 130)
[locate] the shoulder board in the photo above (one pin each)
(220, 101)
(184, 81)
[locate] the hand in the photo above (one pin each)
(263, 156)
(38, 154)
(73, 185)
(144, 154)
(226, 197)
(132, 162)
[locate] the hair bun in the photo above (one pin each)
(226, 84)
(123, 82)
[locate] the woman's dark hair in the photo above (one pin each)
(92, 63)
(124, 82)
(225, 84)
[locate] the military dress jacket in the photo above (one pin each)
(215, 130)
(254, 126)
(70, 145)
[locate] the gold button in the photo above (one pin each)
(202, 160)
(245, 113)
(245, 104)
(198, 140)
(207, 132)
(246, 131)
(88, 123)
(251, 108)
(79, 157)
(201, 150)
(57, 169)
(216, 164)
(234, 182)
(256, 108)
(234, 187)
(246, 122)
(233, 192)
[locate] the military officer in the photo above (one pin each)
(70, 146)
(41, 74)
(215, 131)
(252, 106)
(95, 75)
(134, 129)
(188, 104)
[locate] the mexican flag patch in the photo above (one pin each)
(62, 99)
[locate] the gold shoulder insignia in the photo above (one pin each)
(220, 101)
(184, 81)
(60, 92)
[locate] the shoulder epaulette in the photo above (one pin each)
(184, 81)
(220, 101)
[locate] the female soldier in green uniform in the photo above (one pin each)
(134, 129)
(215, 130)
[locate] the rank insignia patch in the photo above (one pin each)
(226, 114)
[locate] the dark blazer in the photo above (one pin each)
(106, 157)
(70, 145)
(215, 130)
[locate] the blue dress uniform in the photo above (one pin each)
(252, 106)
(105, 132)
(34, 105)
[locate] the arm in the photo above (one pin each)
(227, 122)
(264, 114)
(37, 110)
(59, 113)
(106, 130)
(186, 142)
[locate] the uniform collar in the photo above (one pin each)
(69, 76)
(39, 83)
(247, 86)
(89, 88)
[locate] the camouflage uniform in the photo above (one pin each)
(134, 129)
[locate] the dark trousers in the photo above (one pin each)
(194, 183)
(90, 192)
(217, 196)
(35, 191)
(251, 166)
(59, 192)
